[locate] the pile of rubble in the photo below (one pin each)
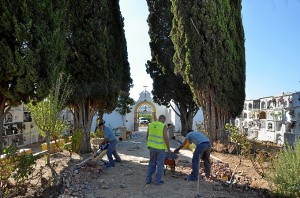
(79, 182)
(221, 171)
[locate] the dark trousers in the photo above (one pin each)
(202, 151)
(111, 151)
(156, 163)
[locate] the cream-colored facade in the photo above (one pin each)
(19, 128)
(274, 118)
(146, 104)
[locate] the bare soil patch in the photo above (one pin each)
(127, 179)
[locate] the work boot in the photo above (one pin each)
(109, 165)
(189, 178)
(148, 182)
(161, 182)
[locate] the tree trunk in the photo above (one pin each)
(186, 119)
(1, 130)
(100, 114)
(214, 119)
(48, 147)
(123, 119)
(83, 120)
(208, 116)
(186, 114)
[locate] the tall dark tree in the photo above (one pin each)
(210, 55)
(98, 62)
(31, 42)
(167, 86)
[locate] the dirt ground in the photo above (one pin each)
(127, 179)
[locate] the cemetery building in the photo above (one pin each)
(273, 118)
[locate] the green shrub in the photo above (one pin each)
(76, 140)
(241, 141)
(99, 133)
(263, 155)
(93, 135)
(284, 176)
(15, 170)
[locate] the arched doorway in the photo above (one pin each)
(144, 109)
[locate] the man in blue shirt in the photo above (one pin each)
(202, 149)
(110, 138)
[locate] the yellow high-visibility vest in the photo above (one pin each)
(156, 135)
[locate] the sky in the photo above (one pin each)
(272, 46)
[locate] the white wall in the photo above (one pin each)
(114, 120)
(198, 118)
(284, 103)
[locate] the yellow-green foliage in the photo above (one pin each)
(46, 113)
(263, 155)
(241, 140)
(260, 156)
(192, 147)
(199, 126)
(93, 135)
(76, 140)
(285, 173)
(15, 169)
(99, 133)
(47, 118)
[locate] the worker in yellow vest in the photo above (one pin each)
(158, 143)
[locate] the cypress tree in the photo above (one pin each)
(97, 62)
(30, 35)
(50, 22)
(167, 86)
(210, 55)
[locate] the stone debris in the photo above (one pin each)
(105, 186)
(78, 182)
(144, 161)
(93, 180)
(221, 171)
(122, 185)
